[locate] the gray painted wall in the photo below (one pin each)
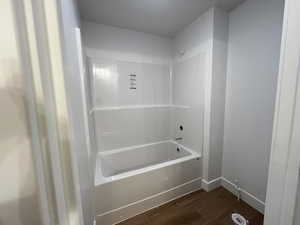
(252, 68)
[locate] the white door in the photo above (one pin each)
(283, 188)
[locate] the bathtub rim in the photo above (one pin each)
(100, 179)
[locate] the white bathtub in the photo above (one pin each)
(131, 180)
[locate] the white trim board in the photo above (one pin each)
(285, 155)
(207, 111)
(211, 185)
(26, 43)
(245, 196)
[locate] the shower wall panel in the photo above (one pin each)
(129, 127)
(130, 103)
(188, 99)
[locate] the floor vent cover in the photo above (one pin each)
(238, 219)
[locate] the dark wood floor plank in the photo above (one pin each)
(198, 208)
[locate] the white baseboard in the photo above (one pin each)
(136, 208)
(211, 185)
(245, 196)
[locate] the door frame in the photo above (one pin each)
(38, 26)
(285, 152)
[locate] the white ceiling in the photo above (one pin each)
(161, 17)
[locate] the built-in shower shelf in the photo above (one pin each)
(138, 107)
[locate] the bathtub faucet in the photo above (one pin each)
(178, 139)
